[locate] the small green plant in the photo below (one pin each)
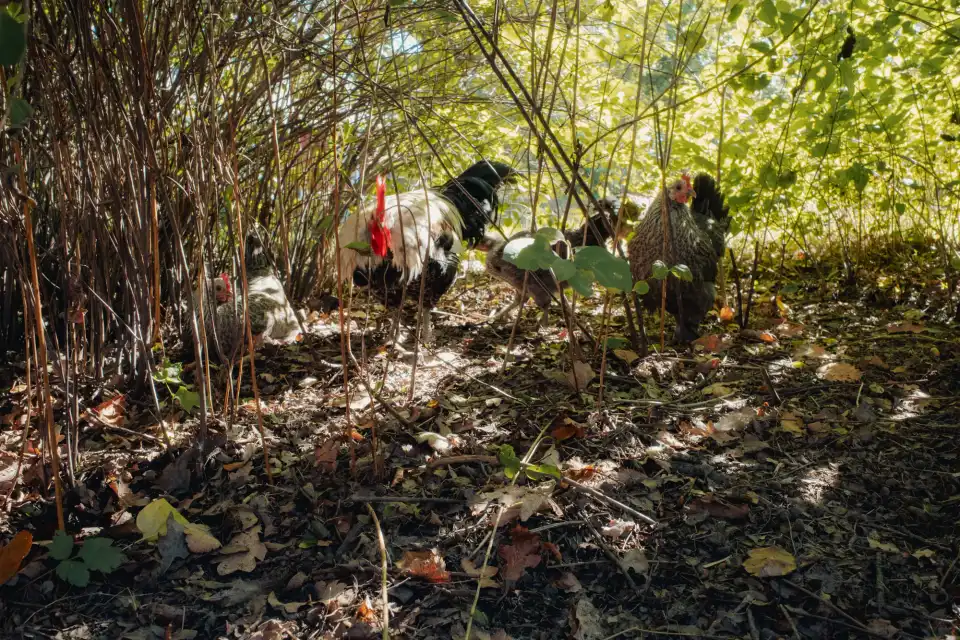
(96, 554)
(590, 264)
(512, 466)
(169, 375)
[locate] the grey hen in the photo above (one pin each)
(272, 319)
(696, 239)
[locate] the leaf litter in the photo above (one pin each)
(808, 463)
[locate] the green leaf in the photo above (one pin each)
(169, 373)
(13, 40)
(768, 12)
(20, 112)
(100, 555)
(762, 113)
(787, 179)
(563, 269)
(606, 11)
(735, 12)
(660, 270)
(768, 176)
(859, 175)
(616, 342)
(62, 546)
(609, 270)
(509, 460)
(530, 254)
(533, 471)
(359, 246)
(901, 208)
(187, 398)
(74, 572)
(763, 46)
(682, 272)
(582, 283)
(641, 288)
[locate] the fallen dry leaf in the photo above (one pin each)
(769, 562)
(523, 554)
(568, 582)
(325, 455)
(484, 576)
(245, 550)
(428, 565)
(791, 422)
(12, 554)
(626, 355)
(905, 327)
(717, 509)
(580, 376)
(636, 559)
(839, 372)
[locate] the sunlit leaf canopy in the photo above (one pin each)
(804, 139)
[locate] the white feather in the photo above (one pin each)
(414, 218)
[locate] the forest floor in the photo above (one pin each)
(804, 478)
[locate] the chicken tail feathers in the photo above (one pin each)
(709, 199)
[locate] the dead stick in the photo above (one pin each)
(383, 569)
(600, 496)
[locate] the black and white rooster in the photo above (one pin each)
(420, 232)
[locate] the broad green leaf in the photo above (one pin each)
(549, 235)
(735, 12)
(20, 112)
(533, 470)
(529, 254)
(762, 113)
(641, 288)
(682, 272)
(358, 246)
(100, 555)
(767, 12)
(610, 271)
(187, 398)
(169, 373)
(660, 270)
(62, 546)
(859, 175)
(74, 572)
(763, 46)
(901, 208)
(616, 342)
(509, 460)
(563, 269)
(582, 283)
(13, 41)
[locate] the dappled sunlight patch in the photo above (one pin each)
(816, 482)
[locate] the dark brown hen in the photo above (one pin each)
(695, 239)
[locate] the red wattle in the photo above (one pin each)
(379, 238)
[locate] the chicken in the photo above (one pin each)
(420, 232)
(272, 319)
(696, 239)
(542, 286)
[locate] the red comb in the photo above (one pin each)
(226, 281)
(686, 180)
